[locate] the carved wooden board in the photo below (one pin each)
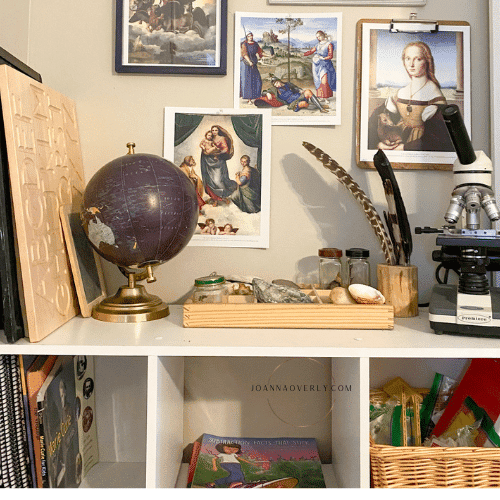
(45, 166)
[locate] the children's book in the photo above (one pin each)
(86, 411)
(58, 416)
(231, 462)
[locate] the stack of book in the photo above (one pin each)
(48, 435)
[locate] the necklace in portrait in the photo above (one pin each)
(409, 107)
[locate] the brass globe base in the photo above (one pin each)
(130, 305)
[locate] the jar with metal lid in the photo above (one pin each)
(210, 290)
(358, 267)
(330, 268)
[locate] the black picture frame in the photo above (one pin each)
(167, 58)
(11, 314)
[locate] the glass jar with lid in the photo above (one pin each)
(358, 267)
(210, 289)
(330, 268)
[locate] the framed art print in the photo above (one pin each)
(171, 36)
(394, 3)
(226, 154)
(405, 79)
(290, 65)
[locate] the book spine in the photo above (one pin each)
(21, 441)
(27, 419)
(4, 455)
(193, 462)
(43, 447)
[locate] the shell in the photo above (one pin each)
(341, 296)
(276, 294)
(365, 294)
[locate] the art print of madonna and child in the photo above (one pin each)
(407, 79)
(289, 65)
(226, 155)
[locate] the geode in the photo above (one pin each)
(278, 294)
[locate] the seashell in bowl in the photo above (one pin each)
(364, 294)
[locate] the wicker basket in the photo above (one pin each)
(424, 467)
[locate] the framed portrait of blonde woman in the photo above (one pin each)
(405, 79)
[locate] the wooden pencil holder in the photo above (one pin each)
(399, 286)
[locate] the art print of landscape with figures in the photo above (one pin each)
(291, 65)
(226, 155)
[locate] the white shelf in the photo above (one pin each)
(142, 370)
(116, 475)
(410, 337)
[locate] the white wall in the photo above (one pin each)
(14, 34)
(72, 45)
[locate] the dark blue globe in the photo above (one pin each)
(139, 210)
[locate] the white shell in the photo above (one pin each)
(340, 295)
(365, 294)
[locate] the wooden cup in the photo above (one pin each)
(399, 286)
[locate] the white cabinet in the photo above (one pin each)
(150, 394)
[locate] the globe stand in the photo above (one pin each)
(131, 303)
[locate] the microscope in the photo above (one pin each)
(472, 307)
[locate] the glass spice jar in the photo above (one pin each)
(330, 268)
(210, 290)
(358, 267)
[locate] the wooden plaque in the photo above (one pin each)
(45, 167)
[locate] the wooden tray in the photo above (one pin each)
(244, 312)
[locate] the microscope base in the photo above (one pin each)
(444, 318)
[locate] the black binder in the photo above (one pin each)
(10, 306)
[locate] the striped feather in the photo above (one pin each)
(360, 196)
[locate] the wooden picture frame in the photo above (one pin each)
(416, 138)
(84, 262)
(162, 41)
(374, 3)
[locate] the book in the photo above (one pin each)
(232, 462)
(25, 361)
(35, 377)
(14, 460)
(86, 411)
(57, 418)
(192, 462)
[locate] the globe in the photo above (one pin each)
(139, 211)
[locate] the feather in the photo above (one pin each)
(401, 231)
(390, 229)
(370, 212)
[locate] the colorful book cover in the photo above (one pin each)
(57, 415)
(85, 399)
(35, 377)
(231, 462)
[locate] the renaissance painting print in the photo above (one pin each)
(291, 65)
(226, 154)
(406, 79)
(171, 36)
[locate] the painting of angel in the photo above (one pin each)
(226, 154)
(171, 36)
(291, 65)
